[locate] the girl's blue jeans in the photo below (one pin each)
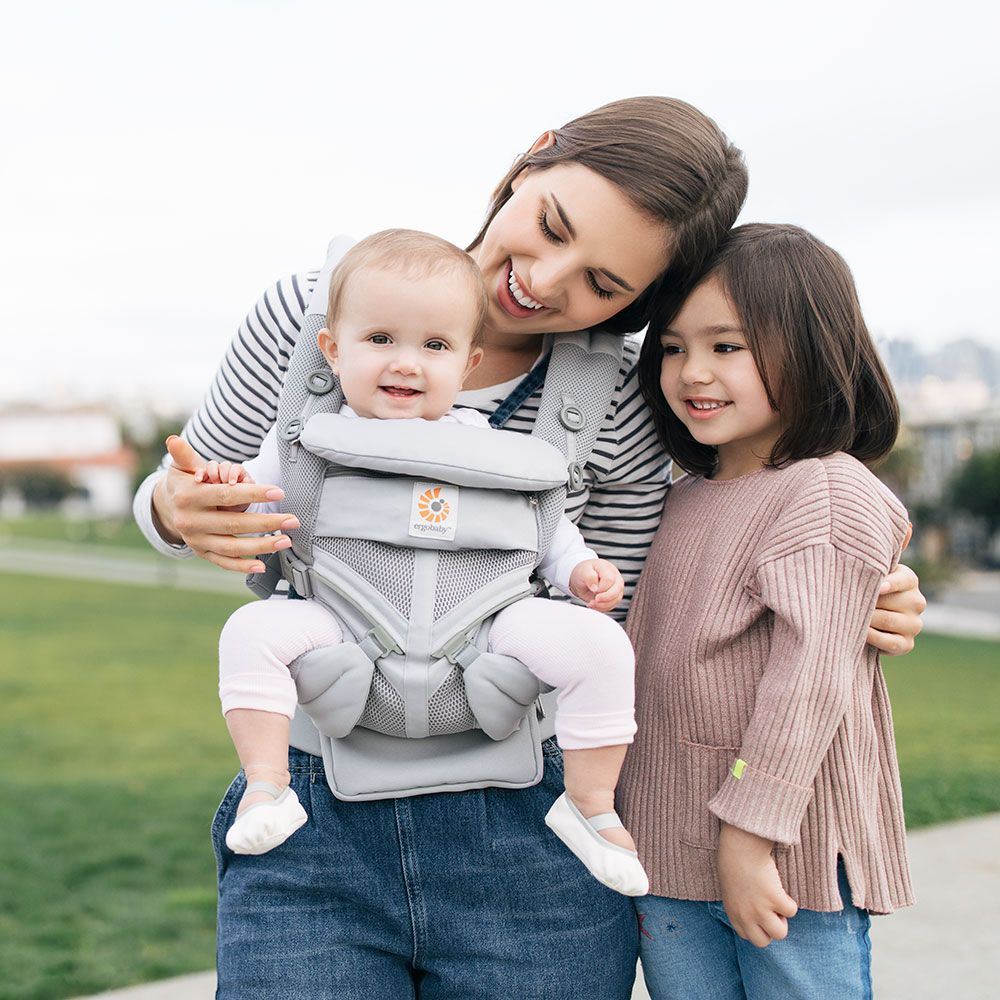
(690, 951)
(461, 895)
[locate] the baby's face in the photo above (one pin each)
(402, 347)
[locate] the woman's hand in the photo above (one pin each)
(755, 900)
(896, 622)
(193, 512)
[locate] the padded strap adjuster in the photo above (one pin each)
(575, 483)
(571, 417)
(292, 430)
(320, 382)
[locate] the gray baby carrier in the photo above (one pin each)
(415, 534)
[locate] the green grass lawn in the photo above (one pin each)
(115, 757)
(55, 528)
(946, 706)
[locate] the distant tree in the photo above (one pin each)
(39, 486)
(899, 468)
(150, 448)
(975, 488)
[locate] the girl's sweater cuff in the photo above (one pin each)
(761, 804)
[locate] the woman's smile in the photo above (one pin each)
(514, 299)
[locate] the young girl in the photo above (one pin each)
(762, 788)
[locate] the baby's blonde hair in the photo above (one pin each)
(415, 255)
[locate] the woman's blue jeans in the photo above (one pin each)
(690, 951)
(461, 895)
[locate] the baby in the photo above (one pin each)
(404, 329)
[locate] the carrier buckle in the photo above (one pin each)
(460, 651)
(297, 574)
(376, 644)
(575, 485)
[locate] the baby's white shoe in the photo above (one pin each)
(264, 825)
(616, 867)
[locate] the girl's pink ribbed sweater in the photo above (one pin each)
(749, 624)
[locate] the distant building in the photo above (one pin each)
(936, 399)
(82, 443)
(942, 444)
(958, 377)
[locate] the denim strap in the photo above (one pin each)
(520, 393)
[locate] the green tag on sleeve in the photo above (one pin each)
(738, 768)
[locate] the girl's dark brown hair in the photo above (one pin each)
(799, 311)
(671, 161)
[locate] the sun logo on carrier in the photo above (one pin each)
(432, 506)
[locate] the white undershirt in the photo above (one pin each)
(485, 397)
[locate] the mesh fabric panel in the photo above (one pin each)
(388, 568)
(384, 711)
(461, 574)
(551, 505)
(448, 709)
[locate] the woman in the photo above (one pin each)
(463, 894)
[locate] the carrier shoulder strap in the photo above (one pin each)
(579, 386)
(309, 387)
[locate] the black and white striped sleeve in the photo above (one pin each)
(632, 476)
(242, 401)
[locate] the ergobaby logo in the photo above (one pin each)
(434, 511)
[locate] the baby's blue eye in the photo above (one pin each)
(379, 338)
(436, 345)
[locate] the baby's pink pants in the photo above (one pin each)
(583, 653)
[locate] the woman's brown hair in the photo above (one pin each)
(671, 161)
(799, 311)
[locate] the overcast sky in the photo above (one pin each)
(162, 163)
